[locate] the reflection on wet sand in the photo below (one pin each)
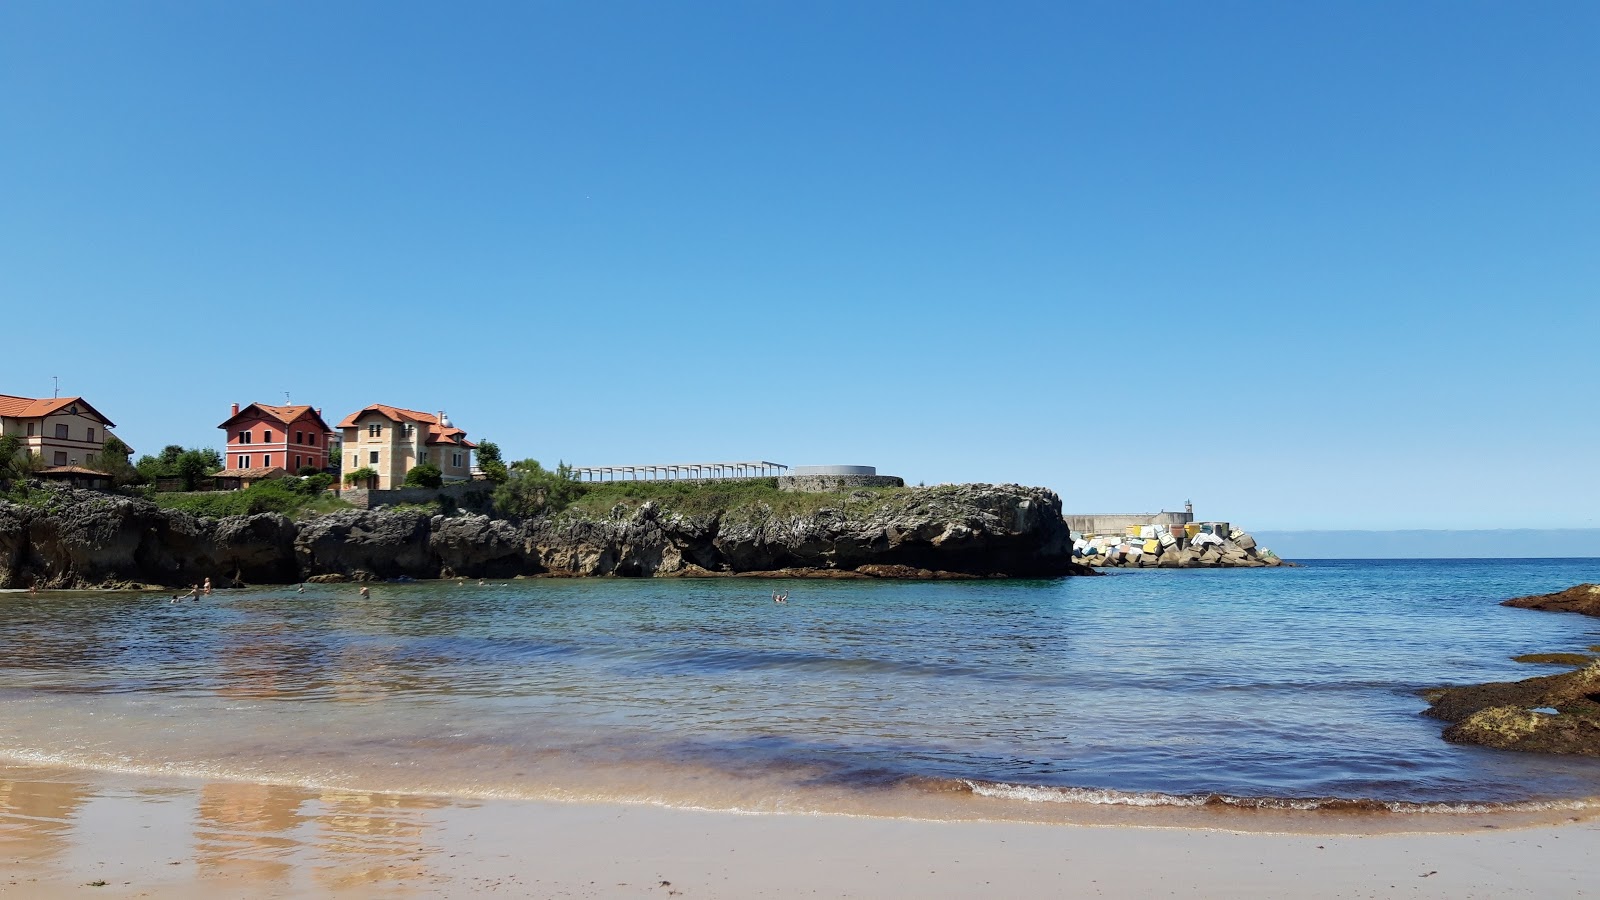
(271, 838)
(373, 838)
(265, 834)
(36, 817)
(248, 830)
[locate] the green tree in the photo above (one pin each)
(489, 461)
(424, 475)
(531, 490)
(11, 454)
(113, 461)
(191, 464)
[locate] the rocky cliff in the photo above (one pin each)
(85, 539)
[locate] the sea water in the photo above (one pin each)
(1274, 688)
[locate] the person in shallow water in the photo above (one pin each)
(208, 586)
(366, 591)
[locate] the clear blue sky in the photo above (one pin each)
(1311, 265)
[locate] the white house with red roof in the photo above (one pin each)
(62, 431)
(391, 440)
(262, 438)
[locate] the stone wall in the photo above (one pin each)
(476, 495)
(1117, 523)
(827, 484)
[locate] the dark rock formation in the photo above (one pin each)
(1549, 714)
(1510, 716)
(1584, 598)
(86, 539)
(982, 530)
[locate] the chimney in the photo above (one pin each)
(319, 412)
(236, 409)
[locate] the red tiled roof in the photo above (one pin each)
(437, 434)
(29, 408)
(284, 414)
(71, 470)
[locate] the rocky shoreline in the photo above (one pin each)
(85, 539)
(1547, 714)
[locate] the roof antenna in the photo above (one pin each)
(56, 392)
(286, 399)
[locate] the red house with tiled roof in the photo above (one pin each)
(62, 431)
(391, 440)
(262, 437)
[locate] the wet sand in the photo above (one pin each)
(63, 831)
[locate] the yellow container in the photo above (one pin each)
(1192, 529)
(1152, 546)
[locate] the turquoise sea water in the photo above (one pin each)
(1281, 687)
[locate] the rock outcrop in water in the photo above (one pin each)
(1583, 598)
(87, 539)
(1548, 714)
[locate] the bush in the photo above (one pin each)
(309, 471)
(277, 495)
(424, 475)
(530, 489)
(361, 475)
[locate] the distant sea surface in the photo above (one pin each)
(1287, 688)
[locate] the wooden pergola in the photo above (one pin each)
(698, 471)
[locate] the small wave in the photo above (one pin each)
(1104, 797)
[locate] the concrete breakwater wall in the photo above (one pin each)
(1118, 523)
(1188, 546)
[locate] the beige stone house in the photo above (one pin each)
(391, 440)
(63, 431)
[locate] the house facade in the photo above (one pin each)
(62, 431)
(391, 441)
(262, 437)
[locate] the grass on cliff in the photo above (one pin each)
(294, 497)
(737, 499)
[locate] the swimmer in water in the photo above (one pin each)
(365, 591)
(208, 587)
(300, 590)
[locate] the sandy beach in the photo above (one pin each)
(63, 833)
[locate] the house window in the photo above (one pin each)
(61, 455)
(410, 429)
(373, 457)
(244, 462)
(88, 459)
(89, 435)
(266, 436)
(244, 437)
(266, 460)
(61, 432)
(312, 438)
(30, 429)
(455, 460)
(375, 430)
(299, 437)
